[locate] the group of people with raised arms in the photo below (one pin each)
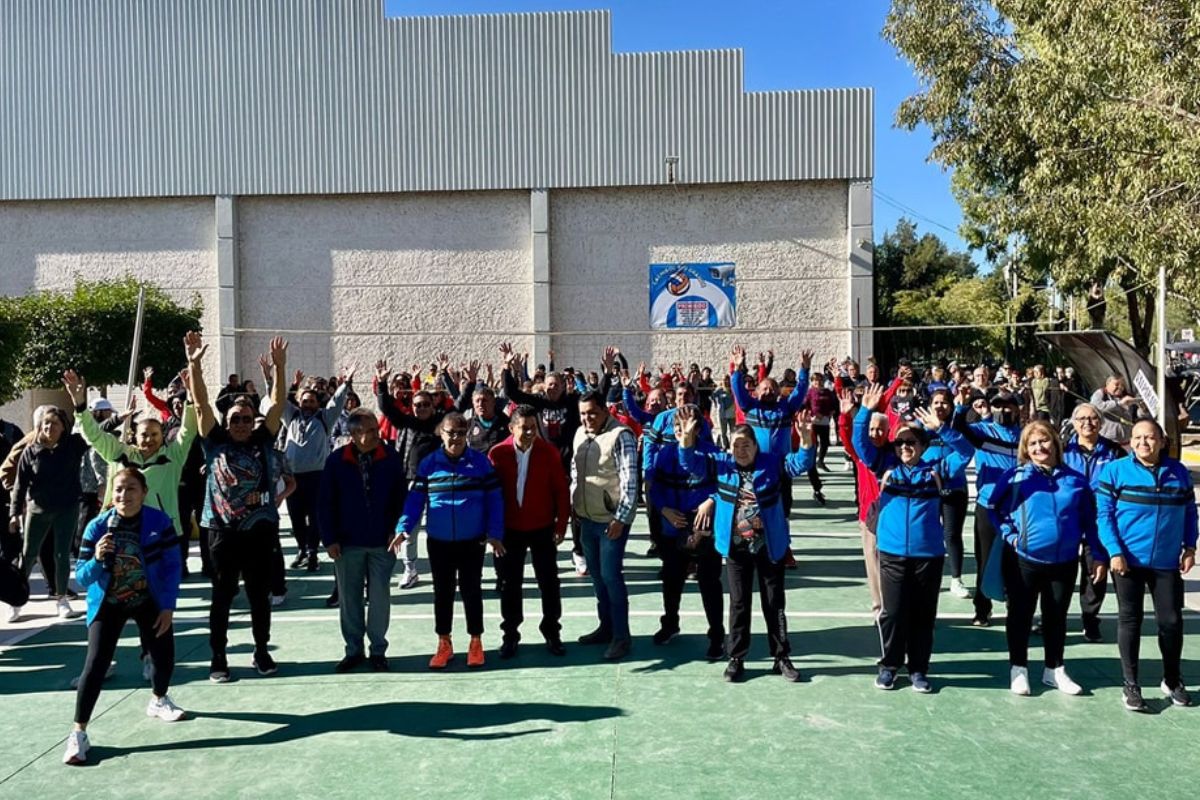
(477, 478)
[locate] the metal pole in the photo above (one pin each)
(134, 355)
(1161, 388)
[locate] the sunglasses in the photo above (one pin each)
(904, 443)
(239, 419)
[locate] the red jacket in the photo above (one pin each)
(867, 484)
(547, 495)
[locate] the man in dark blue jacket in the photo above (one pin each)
(361, 496)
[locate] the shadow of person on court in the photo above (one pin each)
(418, 719)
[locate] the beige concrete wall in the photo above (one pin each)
(48, 244)
(787, 240)
(401, 276)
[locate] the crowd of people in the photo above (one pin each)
(1070, 491)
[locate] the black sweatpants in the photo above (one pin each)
(103, 635)
(740, 567)
(675, 557)
(954, 516)
(457, 565)
(1025, 583)
(821, 432)
(302, 510)
(89, 509)
(909, 588)
(1091, 595)
(190, 499)
(540, 546)
(246, 555)
(1166, 592)
(985, 535)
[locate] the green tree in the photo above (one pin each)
(1073, 130)
(90, 329)
(12, 340)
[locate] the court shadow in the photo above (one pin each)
(417, 719)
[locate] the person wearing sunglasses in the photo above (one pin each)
(1146, 512)
(416, 439)
(910, 537)
(1042, 509)
(240, 516)
(1087, 452)
(458, 491)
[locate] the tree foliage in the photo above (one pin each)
(90, 329)
(1073, 129)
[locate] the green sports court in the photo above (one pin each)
(662, 723)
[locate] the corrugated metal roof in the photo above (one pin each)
(126, 98)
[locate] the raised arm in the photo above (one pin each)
(274, 414)
(154, 400)
(194, 348)
(383, 398)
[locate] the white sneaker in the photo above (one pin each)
(1019, 681)
(77, 748)
(14, 613)
(959, 589)
(164, 709)
(1058, 678)
(64, 609)
(580, 564)
(147, 668)
(108, 673)
(410, 578)
(277, 599)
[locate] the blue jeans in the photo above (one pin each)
(605, 562)
(373, 565)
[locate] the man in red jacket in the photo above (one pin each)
(537, 509)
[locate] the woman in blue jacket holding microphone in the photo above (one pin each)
(1042, 509)
(1146, 512)
(130, 563)
(750, 529)
(910, 536)
(461, 492)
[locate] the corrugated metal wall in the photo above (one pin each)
(129, 98)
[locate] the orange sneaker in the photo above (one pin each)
(475, 652)
(444, 654)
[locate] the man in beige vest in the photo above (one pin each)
(604, 483)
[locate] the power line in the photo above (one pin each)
(891, 201)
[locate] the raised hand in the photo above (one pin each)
(626, 379)
(872, 396)
(76, 387)
(148, 374)
(806, 357)
(846, 399)
(194, 347)
(346, 375)
(297, 378)
(264, 364)
(382, 373)
(473, 371)
(610, 355)
(443, 362)
(279, 348)
(689, 426)
(803, 426)
(738, 356)
(507, 354)
(929, 419)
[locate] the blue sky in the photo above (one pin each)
(801, 44)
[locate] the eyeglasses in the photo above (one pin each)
(238, 419)
(455, 434)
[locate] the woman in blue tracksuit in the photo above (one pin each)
(1086, 451)
(1146, 514)
(1042, 509)
(954, 492)
(750, 530)
(910, 537)
(677, 495)
(461, 492)
(130, 564)
(995, 443)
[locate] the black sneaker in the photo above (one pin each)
(819, 496)
(1091, 631)
(218, 670)
(982, 622)
(300, 560)
(350, 663)
(313, 563)
(783, 666)
(555, 647)
(263, 663)
(333, 600)
(716, 650)
(664, 635)
(598, 636)
(508, 648)
(1178, 693)
(1133, 699)
(886, 679)
(735, 670)
(379, 664)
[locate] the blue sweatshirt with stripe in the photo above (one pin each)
(461, 495)
(995, 451)
(1147, 514)
(1045, 514)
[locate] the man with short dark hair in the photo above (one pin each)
(604, 484)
